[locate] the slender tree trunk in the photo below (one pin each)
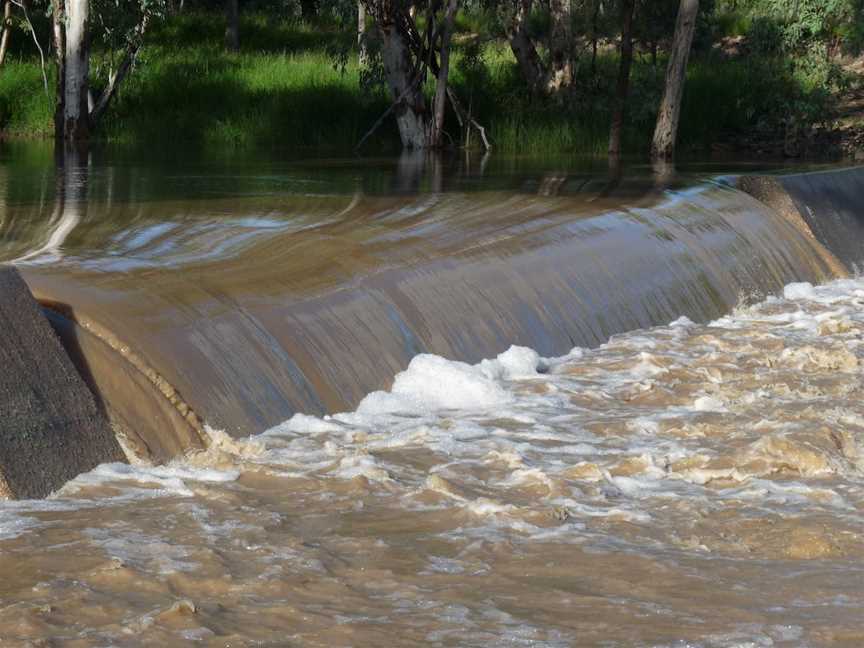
(595, 15)
(362, 45)
(443, 72)
(7, 30)
(58, 34)
(232, 25)
(116, 77)
(406, 89)
(666, 131)
(77, 64)
(615, 133)
(524, 49)
(560, 46)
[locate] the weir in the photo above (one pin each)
(177, 324)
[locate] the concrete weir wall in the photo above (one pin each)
(312, 319)
(51, 428)
(825, 204)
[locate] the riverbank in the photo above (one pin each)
(293, 85)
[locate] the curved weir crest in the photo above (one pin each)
(242, 321)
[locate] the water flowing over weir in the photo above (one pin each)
(307, 305)
(684, 484)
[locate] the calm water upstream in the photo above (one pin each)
(696, 480)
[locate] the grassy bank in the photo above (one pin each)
(284, 89)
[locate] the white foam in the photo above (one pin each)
(515, 362)
(708, 404)
(433, 383)
(802, 290)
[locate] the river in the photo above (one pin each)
(687, 470)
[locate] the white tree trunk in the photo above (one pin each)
(77, 64)
(58, 36)
(666, 131)
(362, 46)
(7, 30)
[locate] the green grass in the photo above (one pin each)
(283, 90)
(202, 95)
(25, 109)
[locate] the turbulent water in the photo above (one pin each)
(685, 485)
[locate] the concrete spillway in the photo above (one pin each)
(241, 320)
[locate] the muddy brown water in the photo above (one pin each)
(696, 480)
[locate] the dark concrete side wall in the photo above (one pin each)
(50, 427)
(832, 204)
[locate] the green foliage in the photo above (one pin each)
(296, 83)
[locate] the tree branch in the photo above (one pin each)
(22, 4)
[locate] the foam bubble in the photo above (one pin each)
(802, 290)
(433, 383)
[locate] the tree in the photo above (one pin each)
(123, 24)
(232, 25)
(7, 30)
(560, 73)
(362, 44)
(523, 47)
(542, 76)
(615, 132)
(409, 58)
(76, 70)
(666, 130)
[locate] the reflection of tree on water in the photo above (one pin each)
(435, 171)
(70, 204)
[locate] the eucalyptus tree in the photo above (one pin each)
(555, 71)
(411, 55)
(666, 129)
(118, 26)
(7, 30)
(616, 130)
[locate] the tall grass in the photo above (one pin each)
(201, 95)
(25, 109)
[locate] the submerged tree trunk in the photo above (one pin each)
(405, 87)
(560, 46)
(666, 131)
(232, 25)
(530, 64)
(616, 130)
(77, 71)
(7, 30)
(409, 57)
(435, 138)
(58, 34)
